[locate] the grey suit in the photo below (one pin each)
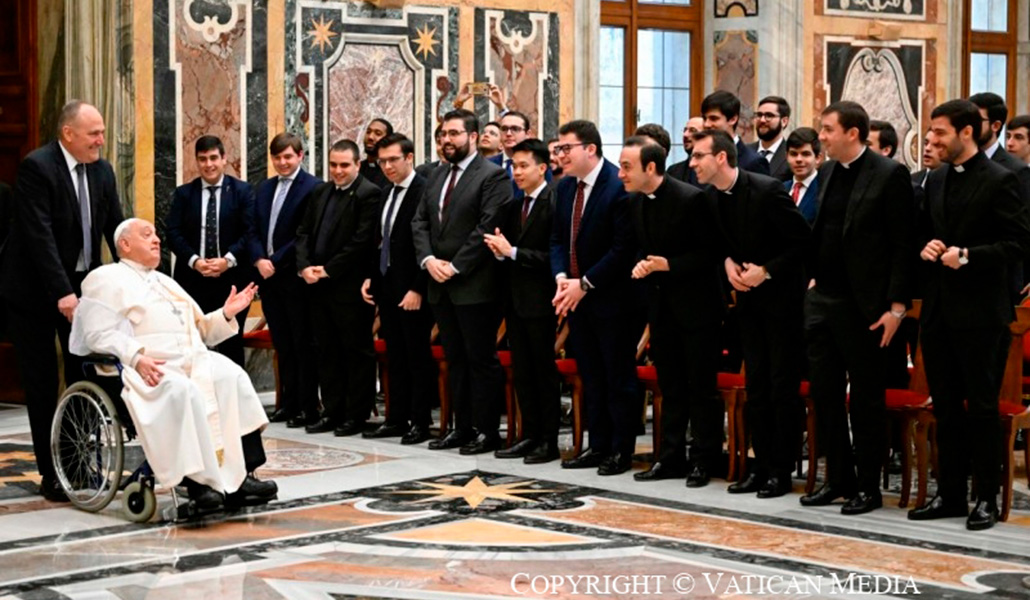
(778, 166)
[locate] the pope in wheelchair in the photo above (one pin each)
(198, 417)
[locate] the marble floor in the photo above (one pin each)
(373, 519)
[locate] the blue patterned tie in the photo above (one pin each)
(277, 206)
(211, 224)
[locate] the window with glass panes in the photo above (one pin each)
(989, 45)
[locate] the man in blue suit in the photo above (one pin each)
(592, 257)
(279, 204)
(803, 150)
(721, 110)
(515, 128)
(207, 231)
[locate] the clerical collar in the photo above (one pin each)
(736, 175)
(344, 188)
(962, 168)
(847, 165)
(658, 189)
(990, 150)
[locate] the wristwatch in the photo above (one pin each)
(899, 315)
(583, 285)
(963, 256)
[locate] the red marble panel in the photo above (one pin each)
(370, 81)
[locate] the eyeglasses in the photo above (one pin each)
(452, 133)
(766, 116)
(512, 129)
(389, 160)
(700, 155)
(565, 148)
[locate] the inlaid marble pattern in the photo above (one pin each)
(736, 71)
(736, 8)
(877, 9)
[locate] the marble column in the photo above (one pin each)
(586, 60)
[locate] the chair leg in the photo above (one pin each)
(1008, 470)
(729, 398)
(656, 429)
(443, 381)
(743, 434)
(906, 460)
(813, 446)
(577, 416)
(922, 446)
(887, 457)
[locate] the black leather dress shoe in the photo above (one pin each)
(937, 508)
(386, 430)
(416, 435)
(202, 496)
(661, 470)
(50, 489)
(775, 487)
(349, 427)
(518, 449)
(825, 496)
(749, 485)
(455, 438)
(698, 477)
(252, 492)
(481, 444)
(983, 516)
(320, 426)
(587, 459)
(862, 503)
(301, 419)
(544, 452)
(281, 416)
(616, 464)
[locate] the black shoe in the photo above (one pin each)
(937, 508)
(455, 438)
(825, 496)
(481, 444)
(518, 450)
(749, 485)
(416, 435)
(202, 496)
(775, 487)
(661, 470)
(616, 464)
(281, 416)
(320, 426)
(50, 489)
(252, 492)
(349, 427)
(301, 420)
(862, 503)
(386, 430)
(544, 452)
(587, 459)
(698, 477)
(984, 516)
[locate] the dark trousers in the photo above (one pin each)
(773, 343)
(32, 328)
(964, 369)
(253, 450)
(284, 299)
(687, 361)
(841, 348)
(413, 390)
(346, 355)
(605, 351)
(469, 337)
(210, 294)
(535, 375)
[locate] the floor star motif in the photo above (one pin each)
(322, 33)
(475, 491)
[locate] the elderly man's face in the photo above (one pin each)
(84, 135)
(141, 244)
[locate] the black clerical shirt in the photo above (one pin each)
(831, 275)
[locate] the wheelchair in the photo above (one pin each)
(89, 438)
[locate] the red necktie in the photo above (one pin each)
(796, 194)
(450, 188)
(577, 218)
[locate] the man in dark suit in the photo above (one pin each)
(682, 170)
(398, 285)
(974, 225)
(335, 241)
(1017, 138)
(523, 243)
(279, 205)
(66, 204)
(679, 263)
(771, 118)
(721, 110)
(426, 168)
(762, 246)
(377, 129)
(461, 204)
(883, 138)
(592, 254)
(803, 150)
(861, 261)
(515, 128)
(930, 161)
(207, 226)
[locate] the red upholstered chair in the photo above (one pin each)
(733, 392)
(510, 405)
(647, 375)
(383, 362)
(260, 338)
(442, 380)
(569, 373)
(1014, 416)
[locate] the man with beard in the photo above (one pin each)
(378, 128)
(1017, 138)
(883, 138)
(555, 164)
(771, 118)
(490, 140)
(461, 203)
(974, 225)
(682, 170)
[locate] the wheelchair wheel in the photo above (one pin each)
(86, 443)
(138, 502)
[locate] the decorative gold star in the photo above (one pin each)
(322, 33)
(426, 41)
(475, 491)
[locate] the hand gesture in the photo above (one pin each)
(497, 97)
(736, 275)
(497, 243)
(753, 275)
(238, 301)
(439, 270)
(411, 301)
(933, 250)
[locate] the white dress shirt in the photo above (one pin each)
(204, 195)
(771, 149)
(393, 204)
(805, 184)
(532, 202)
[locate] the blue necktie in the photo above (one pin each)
(211, 224)
(277, 206)
(384, 251)
(87, 235)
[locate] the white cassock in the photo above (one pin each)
(191, 423)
